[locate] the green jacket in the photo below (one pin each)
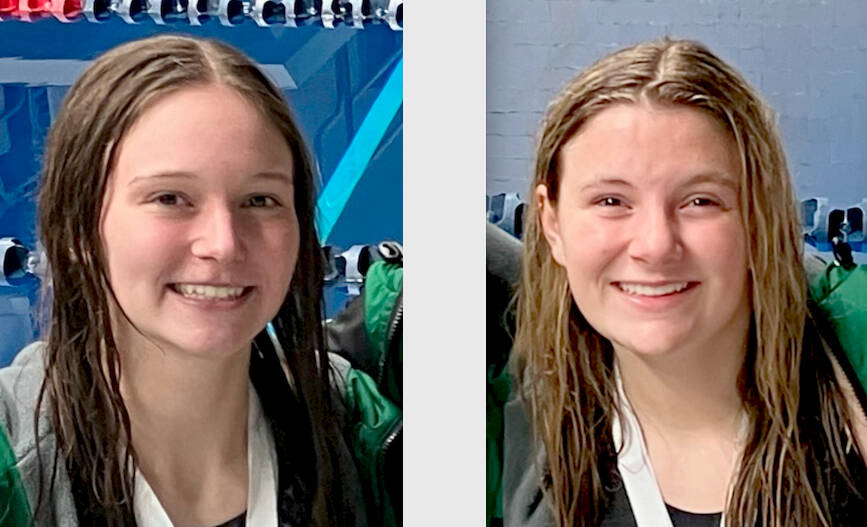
(383, 323)
(369, 330)
(376, 425)
(15, 510)
(841, 297)
(369, 333)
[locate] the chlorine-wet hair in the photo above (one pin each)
(81, 389)
(565, 367)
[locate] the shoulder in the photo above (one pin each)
(367, 418)
(355, 391)
(839, 311)
(373, 427)
(854, 406)
(364, 403)
(525, 504)
(847, 375)
(20, 383)
(17, 459)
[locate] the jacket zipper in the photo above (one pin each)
(396, 430)
(396, 322)
(389, 439)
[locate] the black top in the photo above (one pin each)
(619, 514)
(681, 518)
(238, 521)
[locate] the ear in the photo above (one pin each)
(550, 223)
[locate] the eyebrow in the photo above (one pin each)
(716, 178)
(704, 177)
(282, 177)
(606, 180)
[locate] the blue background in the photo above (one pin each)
(338, 74)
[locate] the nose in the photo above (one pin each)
(218, 235)
(656, 237)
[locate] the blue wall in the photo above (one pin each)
(808, 57)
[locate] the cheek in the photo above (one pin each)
(140, 270)
(723, 248)
(135, 248)
(589, 244)
(128, 262)
(282, 242)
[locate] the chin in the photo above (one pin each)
(645, 350)
(652, 343)
(211, 345)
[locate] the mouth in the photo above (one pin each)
(659, 289)
(211, 292)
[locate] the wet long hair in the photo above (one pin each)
(565, 367)
(81, 390)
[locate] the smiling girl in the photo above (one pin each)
(176, 211)
(667, 368)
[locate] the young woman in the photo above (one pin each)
(668, 370)
(176, 210)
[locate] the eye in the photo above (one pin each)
(703, 202)
(262, 201)
(610, 201)
(170, 199)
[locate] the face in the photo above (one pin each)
(198, 223)
(647, 227)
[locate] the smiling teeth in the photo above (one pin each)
(209, 291)
(653, 290)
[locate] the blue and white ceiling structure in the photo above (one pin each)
(339, 63)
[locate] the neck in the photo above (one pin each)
(184, 411)
(689, 409)
(686, 390)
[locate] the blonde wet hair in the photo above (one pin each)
(565, 367)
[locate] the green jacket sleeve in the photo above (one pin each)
(376, 425)
(841, 296)
(383, 311)
(14, 506)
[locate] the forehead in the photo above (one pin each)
(200, 129)
(648, 142)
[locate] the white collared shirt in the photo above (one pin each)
(261, 477)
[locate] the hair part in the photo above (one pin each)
(83, 366)
(565, 367)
